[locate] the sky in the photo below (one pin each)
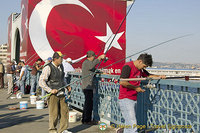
(149, 22)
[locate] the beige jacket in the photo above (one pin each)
(1, 68)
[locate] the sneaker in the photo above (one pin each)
(120, 130)
(66, 131)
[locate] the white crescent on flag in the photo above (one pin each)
(37, 25)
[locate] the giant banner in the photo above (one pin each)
(74, 27)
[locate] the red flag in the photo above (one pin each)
(76, 26)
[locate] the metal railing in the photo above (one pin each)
(171, 105)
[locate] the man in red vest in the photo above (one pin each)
(129, 89)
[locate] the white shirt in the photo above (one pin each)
(23, 70)
(67, 68)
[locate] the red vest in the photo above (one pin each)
(134, 73)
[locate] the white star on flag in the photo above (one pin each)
(110, 35)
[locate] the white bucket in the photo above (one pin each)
(33, 99)
(23, 104)
(72, 116)
(19, 95)
(39, 104)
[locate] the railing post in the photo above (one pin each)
(143, 104)
(96, 99)
(198, 90)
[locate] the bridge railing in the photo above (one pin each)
(170, 105)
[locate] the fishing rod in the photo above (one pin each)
(96, 71)
(173, 39)
(116, 31)
(112, 39)
(38, 56)
(34, 58)
(63, 87)
(157, 78)
(92, 74)
(31, 57)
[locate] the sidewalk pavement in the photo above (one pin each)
(34, 120)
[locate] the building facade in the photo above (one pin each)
(4, 54)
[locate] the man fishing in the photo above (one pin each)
(35, 69)
(129, 89)
(51, 79)
(88, 86)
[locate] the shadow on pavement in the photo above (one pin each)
(7, 105)
(79, 128)
(12, 119)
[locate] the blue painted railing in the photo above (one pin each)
(170, 105)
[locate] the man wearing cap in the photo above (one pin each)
(51, 79)
(48, 61)
(69, 60)
(67, 64)
(88, 69)
(36, 67)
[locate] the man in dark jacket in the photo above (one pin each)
(88, 69)
(51, 79)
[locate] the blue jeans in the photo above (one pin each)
(128, 109)
(33, 83)
(22, 85)
(43, 93)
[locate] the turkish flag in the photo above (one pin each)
(76, 26)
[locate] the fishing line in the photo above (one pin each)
(115, 32)
(173, 39)
(92, 74)
(30, 57)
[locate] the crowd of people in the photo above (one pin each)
(19, 73)
(54, 74)
(55, 79)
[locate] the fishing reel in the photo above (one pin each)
(149, 85)
(60, 93)
(67, 97)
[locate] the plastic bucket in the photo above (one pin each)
(33, 99)
(72, 116)
(23, 104)
(19, 95)
(39, 104)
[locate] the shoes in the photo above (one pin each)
(120, 130)
(53, 131)
(66, 131)
(45, 104)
